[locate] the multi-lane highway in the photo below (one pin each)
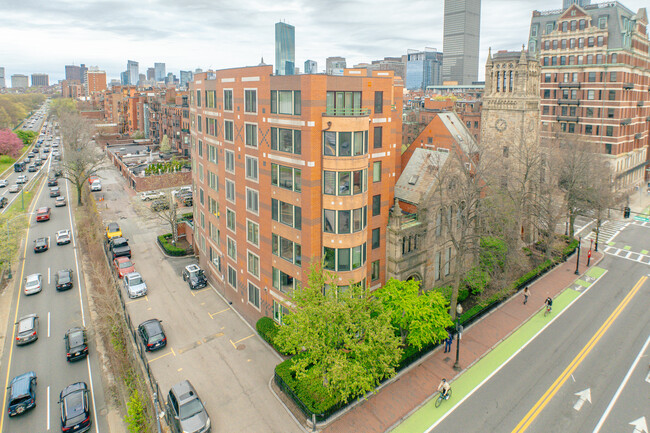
(58, 311)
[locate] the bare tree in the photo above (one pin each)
(169, 215)
(82, 158)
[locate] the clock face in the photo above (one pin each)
(501, 125)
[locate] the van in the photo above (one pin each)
(96, 185)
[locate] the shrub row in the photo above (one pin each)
(267, 329)
(172, 250)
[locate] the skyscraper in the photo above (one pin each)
(151, 74)
(124, 78)
(160, 71)
(423, 68)
(72, 72)
(567, 3)
(335, 65)
(82, 73)
(133, 72)
(19, 81)
(460, 42)
(40, 80)
(95, 80)
(186, 77)
(2, 78)
(311, 67)
(285, 49)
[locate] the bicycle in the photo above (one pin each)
(548, 310)
(440, 398)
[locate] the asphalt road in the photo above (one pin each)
(592, 345)
(57, 311)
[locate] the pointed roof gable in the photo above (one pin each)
(419, 175)
(574, 11)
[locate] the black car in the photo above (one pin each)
(194, 276)
(120, 247)
(63, 279)
(41, 244)
(3, 202)
(152, 334)
(22, 393)
(75, 408)
(76, 343)
(53, 181)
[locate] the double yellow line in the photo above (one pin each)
(548, 395)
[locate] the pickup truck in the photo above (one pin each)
(119, 247)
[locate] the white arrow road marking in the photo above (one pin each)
(640, 426)
(583, 396)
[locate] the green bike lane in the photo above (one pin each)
(425, 418)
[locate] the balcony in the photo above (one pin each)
(569, 85)
(568, 101)
(347, 112)
(567, 118)
(626, 121)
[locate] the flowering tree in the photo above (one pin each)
(10, 144)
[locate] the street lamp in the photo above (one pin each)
(578, 260)
(459, 331)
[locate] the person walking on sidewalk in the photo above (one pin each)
(526, 294)
(448, 341)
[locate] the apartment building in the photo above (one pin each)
(288, 171)
(595, 77)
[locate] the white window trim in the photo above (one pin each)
(223, 93)
(226, 182)
(234, 212)
(257, 163)
(224, 131)
(258, 233)
(257, 277)
(258, 201)
(225, 163)
(259, 296)
(228, 267)
(256, 100)
(256, 138)
(228, 240)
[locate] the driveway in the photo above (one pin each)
(207, 342)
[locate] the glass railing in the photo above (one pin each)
(352, 111)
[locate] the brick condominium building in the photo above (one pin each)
(595, 78)
(288, 171)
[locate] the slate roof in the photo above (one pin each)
(419, 175)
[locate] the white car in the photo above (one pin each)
(63, 237)
(3, 183)
(135, 285)
(96, 185)
(182, 189)
(33, 284)
(151, 195)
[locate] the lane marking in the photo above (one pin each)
(48, 324)
(48, 275)
(48, 407)
(194, 292)
(555, 387)
(234, 344)
(620, 388)
(218, 312)
(13, 331)
(161, 356)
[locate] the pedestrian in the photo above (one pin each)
(448, 341)
(526, 294)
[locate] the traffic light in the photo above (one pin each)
(626, 212)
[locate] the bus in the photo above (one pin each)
(19, 166)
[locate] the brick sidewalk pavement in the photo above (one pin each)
(399, 398)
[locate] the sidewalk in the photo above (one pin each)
(401, 397)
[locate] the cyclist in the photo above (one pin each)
(444, 388)
(549, 304)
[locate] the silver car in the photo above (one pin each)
(135, 285)
(63, 237)
(33, 284)
(186, 409)
(27, 329)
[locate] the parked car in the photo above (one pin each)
(33, 284)
(53, 181)
(3, 202)
(194, 276)
(76, 343)
(159, 205)
(135, 285)
(43, 214)
(60, 201)
(152, 335)
(181, 189)
(63, 237)
(27, 329)
(187, 201)
(123, 266)
(54, 191)
(22, 393)
(63, 279)
(96, 186)
(91, 179)
(119, 247)
(41, 244)
(186, 410)
(75, 408)
(151, 195)
(113, 231)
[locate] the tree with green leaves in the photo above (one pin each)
(420, 318)
(60, 106)
(165, 147)
(345, 337)
(26, 136)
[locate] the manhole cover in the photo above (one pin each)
(241, 347)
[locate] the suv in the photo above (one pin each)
(194, 276)
(22, 393)
(187, 413)
(75, 408)
(135, 285)
(120, 247)
(152, 335)
(76, 343)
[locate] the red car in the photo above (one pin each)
(123, 266)
(43, 214)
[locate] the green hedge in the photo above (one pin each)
(172, 250)
(267, 329)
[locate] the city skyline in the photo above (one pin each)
(234, 36)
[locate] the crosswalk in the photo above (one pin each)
(608, 231)
(629, 255)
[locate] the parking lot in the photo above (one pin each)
(207, 342)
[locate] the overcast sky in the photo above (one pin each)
(45, 35)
